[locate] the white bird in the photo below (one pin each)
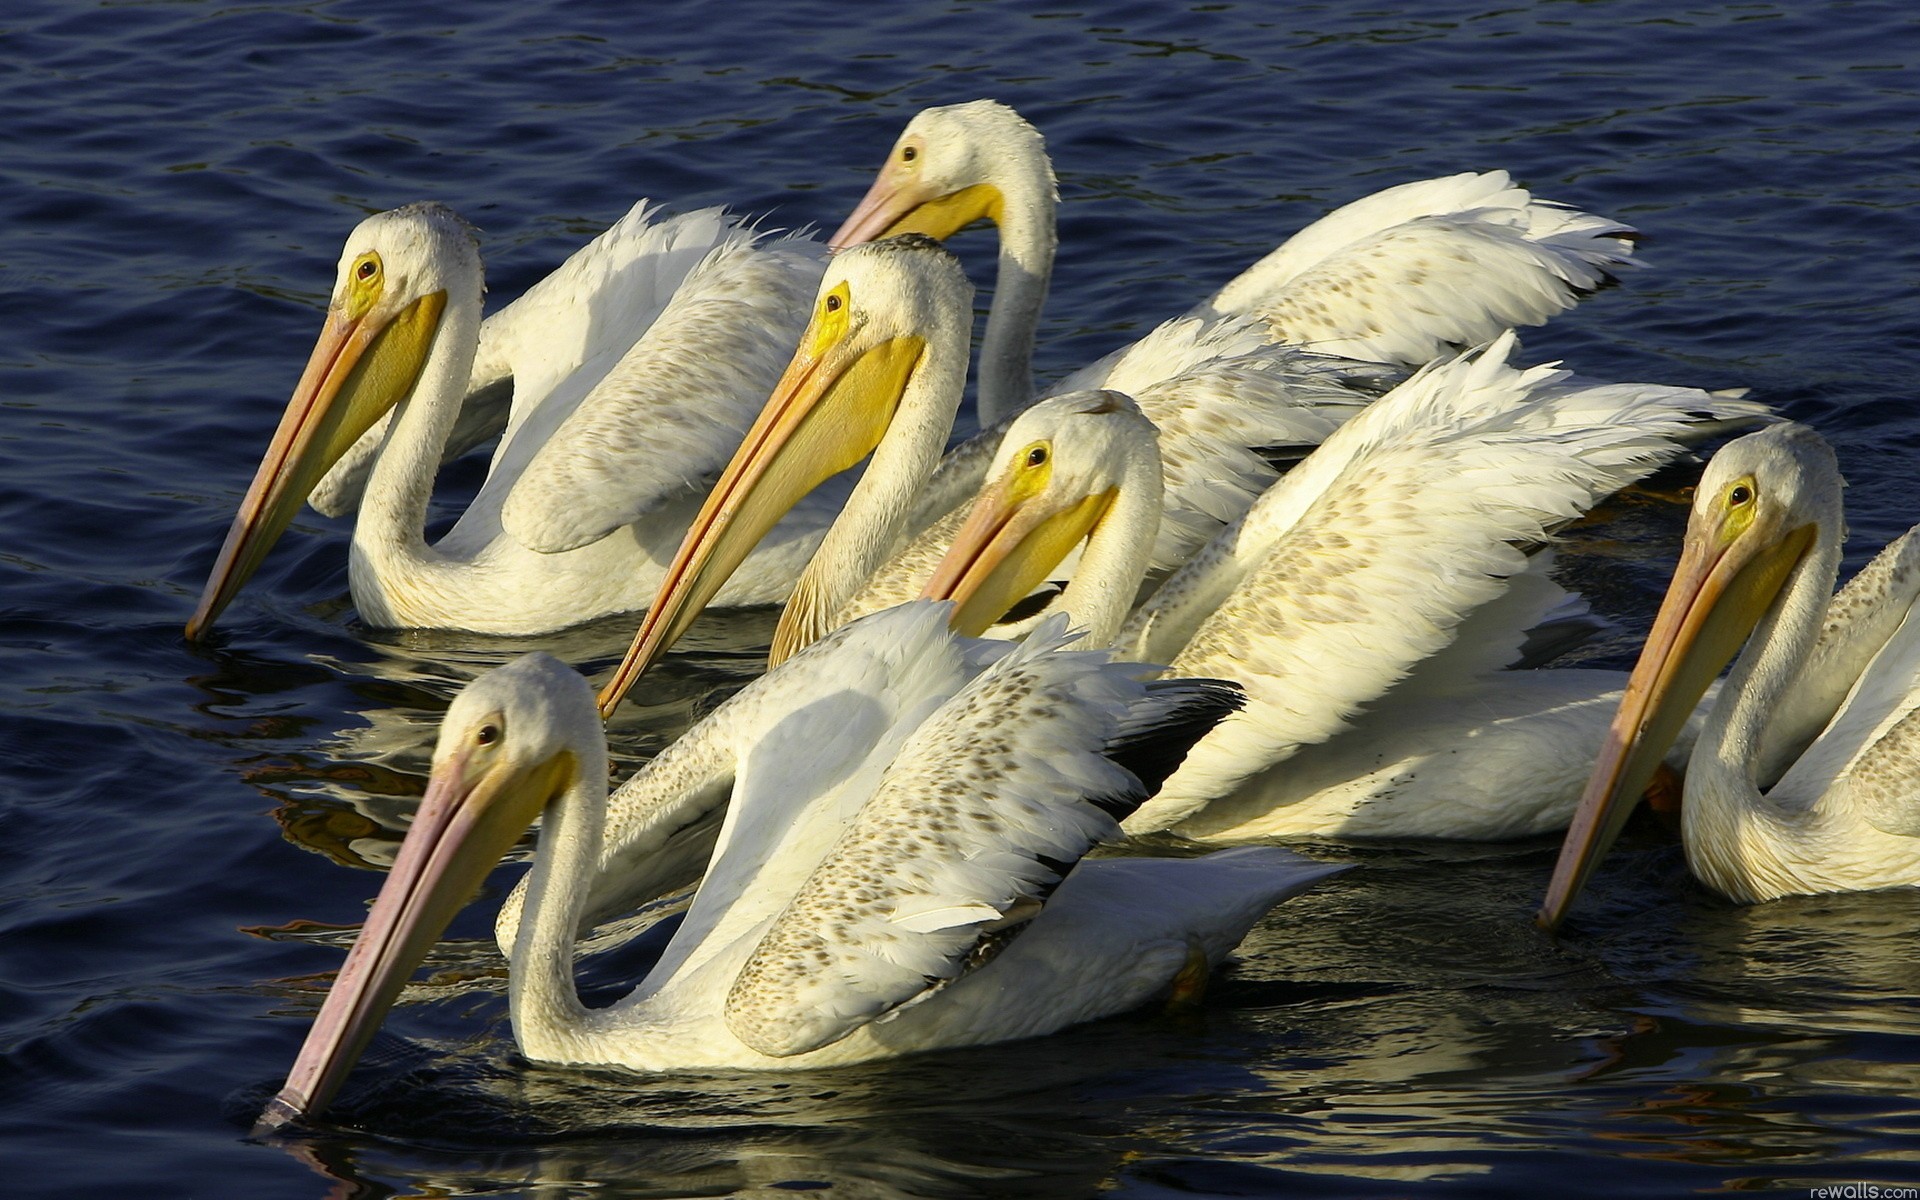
(880, 370)
(888, 877)
(1368, 602)
(590, 488)
(572, 326)
(1400, 276)
(1842, 812)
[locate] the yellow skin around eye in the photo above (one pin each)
(364, 293)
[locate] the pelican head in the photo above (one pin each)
(1761, 506)
(888, 336)
(512, 742)
(395, 277)
(945, 172)
(1054, 483)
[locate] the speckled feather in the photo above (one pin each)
(1215, 420)
(978, 812)
(1870, 750)
(846, 754)
(1430, 266)
(1631, 428)
(666, 418)
(1365, 560)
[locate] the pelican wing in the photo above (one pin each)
(812, 739)
(558, 348)
(1625, 431)
(1221, 422)
(1174, 346)
(1351, 572)
(1860, 621)
(1412, 271)
(1885, 778)
(1871, 748)
(1437, 401)
(664, 420)
(982, 811)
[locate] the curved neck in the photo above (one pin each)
(1027, 244)
(864, 533)
(391, 531)
(1102, 590)
(541, 996)
(1723, 775)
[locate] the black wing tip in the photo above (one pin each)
(1162, 727)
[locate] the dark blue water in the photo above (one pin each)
(175, 182)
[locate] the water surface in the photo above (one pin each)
(176, 183)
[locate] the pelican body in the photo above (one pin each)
(1779, 799)
(1370, 602)
(1398, 277)
(887, 877)
(593, 483)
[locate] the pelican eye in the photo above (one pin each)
(833, 304)
(367, 270)
(909, 153)
(1037, 457)
(486, 735)
(1741, 494)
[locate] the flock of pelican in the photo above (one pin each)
(887, 829)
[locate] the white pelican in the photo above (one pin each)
(572, 327)
(1367, 602)
(1843, 809)
(880, 370)
(1397, 277)
(903, 805)
(589, 490)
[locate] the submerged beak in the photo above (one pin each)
(464, 827)
(361, 366)
(1720, 590)
(829, 410)
(1006, 549)
(895, 205)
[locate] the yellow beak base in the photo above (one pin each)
(829, 410)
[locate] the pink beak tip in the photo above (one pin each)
(279, 1113)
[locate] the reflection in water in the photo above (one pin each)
(1009, 1123)
(352, 797)
(1404, 1024)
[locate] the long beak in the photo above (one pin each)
(893, 206)
(360, 367)
(1006, 549)
(829, 411)
(1720, 591)
(463, 829)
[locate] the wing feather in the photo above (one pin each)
(577, 320)
(1415, 270)
(1352, 571)
(981, 812)
(664, 420)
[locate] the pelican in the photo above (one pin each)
(589, 490)
(1368, 602)
(887, 879)
(1401, 276)
(573, 326)
(880, 370)
(1840, 809)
